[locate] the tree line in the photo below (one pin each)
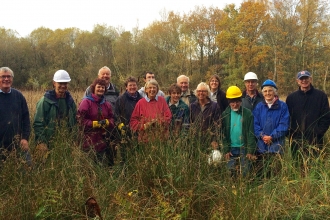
(274, 39)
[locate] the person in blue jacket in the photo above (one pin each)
(271, 124)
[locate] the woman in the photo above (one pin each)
(271, 123)
(96, 117)
(124, 107)
(205, 115)
(179, 109)
(151, 113)
(217, 95)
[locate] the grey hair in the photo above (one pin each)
(6, 70)
(203, 84)
(182, 76)
(105, 67)
(152, 82)
(274, 89)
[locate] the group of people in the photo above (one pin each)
(249, 125)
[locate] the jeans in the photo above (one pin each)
(238, 164)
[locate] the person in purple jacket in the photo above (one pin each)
(96, 118)
(271, 124)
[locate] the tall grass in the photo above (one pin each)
(166, 179)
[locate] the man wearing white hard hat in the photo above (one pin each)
(56, 109)
(251, 97)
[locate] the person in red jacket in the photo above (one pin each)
(97, 119)
(151, 115)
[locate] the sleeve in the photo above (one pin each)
(39, 123)
(83, 116)
(283, 123)
(167, 113)
(257, 123)
(324, 121)
(111, 117)
(87, 92)
(26, 125)
(251, 141)
(225, 127)
(135, 122)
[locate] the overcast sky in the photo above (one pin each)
(26, 15)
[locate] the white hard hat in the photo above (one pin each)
(250, 75)
(215, 157)
(61, 76)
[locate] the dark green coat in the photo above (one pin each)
(247, 127)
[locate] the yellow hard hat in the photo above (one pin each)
(233, 92)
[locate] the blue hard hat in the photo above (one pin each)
(269, 82)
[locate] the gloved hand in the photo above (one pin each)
(96, 124)
(121, 127)
(104, 123)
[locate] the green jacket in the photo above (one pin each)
(247, 127)
(47, 118)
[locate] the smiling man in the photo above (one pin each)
(111, 95)
(309, 115)
(251, 97)
(15, 119)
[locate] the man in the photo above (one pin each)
(251, 97)
(238, 133)
(309, 115)
(15, 119)
(111, 95)
(55, 109)
(187, 96)
(147, 77)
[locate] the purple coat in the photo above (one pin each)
(94, 108)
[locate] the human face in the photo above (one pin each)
(6, 80)
(99, 90)
(131, 88)
(268, 93)
(202, 93)
(105, 74)
(149, 76)
(251, 84)
(184, 84)
(235, 104)
(60, 88)
(305, 83)
(214, 84)
(151, 91)
(175, 96)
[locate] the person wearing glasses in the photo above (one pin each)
(309, 117)
(96, 120)
(151, 116)
(271, 123)
(15, 120)
(251, 97)
(217, 95)
(205, 117)
(238, 135)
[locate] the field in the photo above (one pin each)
(168, 179)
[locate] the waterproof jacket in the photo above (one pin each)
(247, 130)
(222, 100)
(207, 122)
(111, 95)
(246, 102)
(47, 118)
(274, 122)
(309, 115)
(14, 119)
(180, 112)
(94, 108)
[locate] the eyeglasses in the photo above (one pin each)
(234, 101)
(201, 91)
(6, 77)
(214, 81)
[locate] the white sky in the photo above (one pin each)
(26, 15)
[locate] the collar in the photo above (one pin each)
(148, 100)
(5, 92)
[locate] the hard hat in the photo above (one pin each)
(215, 157)
(269, 82)
(233, 92)
(61, 76)
(250, 75)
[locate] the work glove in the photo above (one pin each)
(96, 124)
(121, 128)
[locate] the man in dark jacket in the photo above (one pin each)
(187, 96)
(251, 97)
(15, 119)
(309, 115)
